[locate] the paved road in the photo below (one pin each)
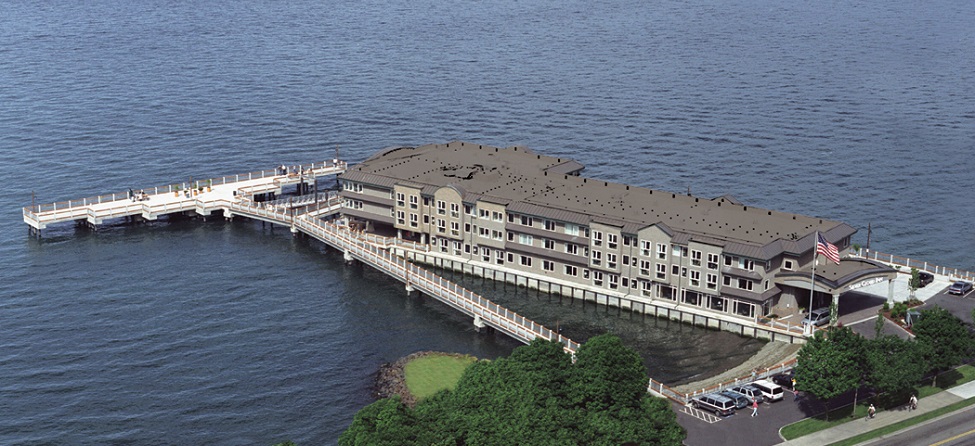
(956, 429)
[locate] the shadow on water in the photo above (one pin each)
(673, 352)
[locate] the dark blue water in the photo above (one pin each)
(230, 333)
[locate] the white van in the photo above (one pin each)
(770, 390)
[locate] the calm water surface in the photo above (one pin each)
(232, 333)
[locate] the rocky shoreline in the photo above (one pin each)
(391, 377)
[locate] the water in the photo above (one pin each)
(231, 333)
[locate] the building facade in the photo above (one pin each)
(515, 209)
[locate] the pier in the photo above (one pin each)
(252, 195)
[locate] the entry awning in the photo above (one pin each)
(849, 275)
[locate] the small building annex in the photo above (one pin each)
(511, 208)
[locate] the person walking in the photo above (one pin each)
(912, 404)
(871, 411)
(754, 407)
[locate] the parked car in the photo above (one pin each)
(771, 391)
(818, 317)
(960, 288)
(924, 278)
(784, 379)
(713, 402)
(749, 392)
(741, 401)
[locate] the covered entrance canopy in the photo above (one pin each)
(835, 279)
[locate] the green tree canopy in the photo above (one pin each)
(895, 365)
(945, 337)
(830, 363)
(536, 396)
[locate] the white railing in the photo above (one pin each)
(919, 264)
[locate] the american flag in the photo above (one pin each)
(827, 249)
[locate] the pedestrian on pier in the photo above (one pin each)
(754, 407)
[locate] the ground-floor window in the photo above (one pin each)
(597, 278)
(717, 303)
(744, 309)
(667, 292)
(692, 298)
(647, 288)
(614, 281)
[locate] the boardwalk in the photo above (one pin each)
(232, 196)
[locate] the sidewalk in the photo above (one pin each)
(885, 418)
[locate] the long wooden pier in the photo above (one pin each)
(233, 195)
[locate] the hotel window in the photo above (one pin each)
(662, 251)
(497, 235)
(454, 210)
(746, 264)
(585, 273)
(401, 217)
(787, 265)
(497, 216)
(511, 257)
(511, 218)
(729, 260)
(679, 251)
(526, 261)
(696, 258)
(627, 240)
(597, 257)
(571, 270)
(712, 261)
(441, 225)
(454, 228)
(614, 281)
(426, 219)
(441, 207)
(486, 254)
(645, 246)
(647, 288)
(499, 257)
(571, 249)
(443, 245)
(467, 228)
(457, 246)
(626, 282)
(467, 249)
(548, 265)
(549, 244)
(712, 281)
(484, 213)
(727, 281)
(571, 229)
(401, 199)
(611, 240)
(611, 260)
(525, 239)
(527, 221)
(662, 271)
(414, 220)
(626, 261)
(469, 210)
(597, 278)
(484, 232)
(414, 202)
(549, 225)
(695, 278)
(645, 268)
(745, 284)
(426, 201)
(597, 238)
(676, 269)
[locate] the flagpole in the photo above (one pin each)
(812, 278)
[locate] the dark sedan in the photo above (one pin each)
(924, 278)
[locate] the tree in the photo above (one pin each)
(895, 365)
(878, 325)
(915, 282)
(946, 338)
(830, 365)
(536, 395)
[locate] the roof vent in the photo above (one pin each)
(695, 200)
(673, 195)
(745, 208)
(770, 212)
(583, 180)
(606, 184)
(627, 187)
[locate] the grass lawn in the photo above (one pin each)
(841, 415)
(430, 374)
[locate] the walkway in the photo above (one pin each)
(886, 418)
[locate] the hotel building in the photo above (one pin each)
(514, 210)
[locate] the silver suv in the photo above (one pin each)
(818, 317)
(751, 392)
(719, 404)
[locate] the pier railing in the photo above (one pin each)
(662, 389)
(919, 264)
(454, 295)
(168, 189)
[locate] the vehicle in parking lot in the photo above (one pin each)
(784, 379)
(741, 401)
(818, 317)
(749, 392)
(924, 278)
(960, 288)
(771, 391)
(713, 402)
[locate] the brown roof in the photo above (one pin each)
(532, 184)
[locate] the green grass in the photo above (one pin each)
(904, 424)
(842, 415)
(430, 374)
